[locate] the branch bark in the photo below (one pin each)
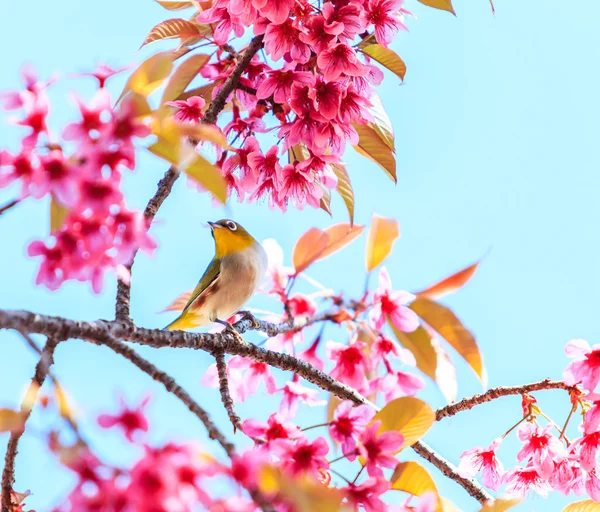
(41, 372)
(224, 390)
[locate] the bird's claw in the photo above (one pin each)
(229, 328)
(246, 315)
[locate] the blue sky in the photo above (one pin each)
(496, 138)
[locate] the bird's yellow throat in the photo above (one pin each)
(227, 242)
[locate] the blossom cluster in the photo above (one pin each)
(81, 174)
(552, 462)
(316, 83)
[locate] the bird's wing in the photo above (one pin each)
(210, 275)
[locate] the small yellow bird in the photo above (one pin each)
(229, 281)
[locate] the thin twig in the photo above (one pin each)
(41, 372)
(224, 390)
(495, 393)
(9, 205)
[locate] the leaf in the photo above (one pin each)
(340, 235)
(175, 6)
(203, 132)
(419, 342)
(325, 201)
(445, 373)
(448, 506)
(208, 176)
(62, 401)
(172, 29)
(449, 284)
(442, 320)
(389, 59)
(443, 5)
(502, 504)
(204, 92)
(344, 189)
(10, 421)
(308, 248)
(382, 124)
(412, 478)
(409, 416)
(371, 146)
(58, 213)
(182, 77)
(149, 75)
(381, 237)
(179, 303)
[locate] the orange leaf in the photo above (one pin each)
(171, 29)
(10, 421)
(442, 320)
(443, 5)
(382, 235)
(308, 248)
(340, 235)
(179, 303)
(449, 284)
(387, 58)
(414, 479)
(371, 145)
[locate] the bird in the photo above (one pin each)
(231, 278)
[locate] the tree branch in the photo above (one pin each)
(9, 205)
(494, 393)
(224, 390)
(41, 372)
(224, 342)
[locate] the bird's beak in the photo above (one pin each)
(213, 225)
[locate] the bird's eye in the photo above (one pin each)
(231, 225)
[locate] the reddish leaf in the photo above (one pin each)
(449, 284)
(175, 6)
(340, 235)
(308, 248)
(172, 29)
(382, 235)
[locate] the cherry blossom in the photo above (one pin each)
(586, 366)
(348, 424)
(378, 449)
(541, 446)
(275, 428)
(477, 459)
(302, 456)
(130, 420)
(293, 393)
(392, 304)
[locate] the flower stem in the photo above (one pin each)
(315, 426)
(357, 475)
(341, 476)
(564, 429)
(515, 425)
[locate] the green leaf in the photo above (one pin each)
(208, 176)
(58, 213)
(176, 28)
(175, 6)
(182, 77)
(149, 75)
(442, 320)
(344, 189)
(443, 5)
(409, 416)
(389, 59)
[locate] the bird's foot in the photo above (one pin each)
(246, 315)
(231, 330)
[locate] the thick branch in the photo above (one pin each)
(224, 390)
(494, 393)
(41, 372)
(226, 343)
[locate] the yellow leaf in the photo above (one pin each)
(149, 75)
(139, 103)
(58, 213)
(449, 284)
(203, 132)
(10, 421)
(409, 416)
(325, 201)
(448, 506)
(171, 29)
(412, 478)
(419, 343)
(308, 248)
(307, 495)
(204, 92)
(208, 176)
(381, 237)
(382, 123)
(387, 58)
(175, 6)
(164, 149)
(375, 149)
(62, 401)
(448, 326)
(502, 504)
(340, 235)
(444, 5)
(182, 77)
(344, 189)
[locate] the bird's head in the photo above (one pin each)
(229, 237)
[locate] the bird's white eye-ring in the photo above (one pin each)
(231, 225)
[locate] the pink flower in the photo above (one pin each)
(392, 304)
(91, 117)
(521, 480)
(348, 424)
(310, 355)
(345, 21)
(100, 193)
(302, 305)
(592, 484)
(340, 59)
(367, 495)
(130, 420)
(125, 124)
(378, 450)
(22, 166)
(385, 347)
(279, 83)
(276, 11)
(591, 420)
(14, 100)
(102, 73)
(251, 378)
(384, 16)
(267, 165)
(299, 188)
(285, 39)
(302, 456)
(236, 386)
(246, 468)
(476, 459)
(293, 392)
(35, 107)
(397, 383)
(589, 445)
(541, 445)
(275, 428)
(57, 176)
(327, 97)
(568, 476)
(351, 361)
(225, 22)
(586, 366)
